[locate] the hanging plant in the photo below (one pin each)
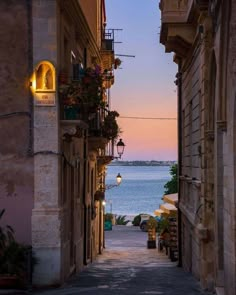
(117, 63)
(110, 128)
(83, 95)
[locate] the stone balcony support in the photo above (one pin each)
(178, 30)
(177, 38)
(175, 11)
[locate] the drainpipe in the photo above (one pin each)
(84, 197)
(100, 227)
(179, 84)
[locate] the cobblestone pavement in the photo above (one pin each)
(127, 267)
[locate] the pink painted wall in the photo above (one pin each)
(16, 165)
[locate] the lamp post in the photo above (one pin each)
(120, 148)
(118, 182)
(108, 223)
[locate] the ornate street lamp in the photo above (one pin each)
(118, 179)
(120, 148)
(118, 182)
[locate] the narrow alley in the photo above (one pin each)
(128, 267)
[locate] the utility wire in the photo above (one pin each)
(146, 118)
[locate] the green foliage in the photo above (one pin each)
(171, 186)
(110, 128)
(137, 220)
(6, 234)
(120, 220)
(108, 217)
(13, 256)
(13, 259)
(152, 223)
(87, 89)
(162, 224)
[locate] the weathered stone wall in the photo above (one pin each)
(230, 162)
(16, 173)
(190, 248)
(191, 120)
(72, 184)
(46, 215)
(209, 84)
(91, 10)
(191, 168)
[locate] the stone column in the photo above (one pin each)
(46, 215)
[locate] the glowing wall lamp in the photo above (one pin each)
(120, 148)
(118, 179)
(118, 182)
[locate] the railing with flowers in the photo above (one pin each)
(85, 99)
(103, 123)
(79, 97)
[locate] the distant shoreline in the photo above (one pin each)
(143, 163)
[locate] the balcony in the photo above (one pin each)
(85, 100)
(107, 155)
(103, 124)
(177, 29)
(107, 49)
(175, 11)
(108, 40)
(72, 128)
(95, 136)
(103, 131)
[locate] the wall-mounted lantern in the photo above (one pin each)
(118, 182)
(120, 148)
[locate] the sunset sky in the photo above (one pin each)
(144, 86)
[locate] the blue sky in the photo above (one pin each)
(144, 86)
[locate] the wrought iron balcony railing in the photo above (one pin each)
(108, 40)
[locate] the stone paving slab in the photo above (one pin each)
(127, 267)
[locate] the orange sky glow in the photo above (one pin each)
(144, 85)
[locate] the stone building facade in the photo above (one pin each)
(201, 35)
(53, 166)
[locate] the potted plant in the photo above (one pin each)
(151, 226)
(117, 63)
(84, 95)
(13, 265)
(70, 96)
(92, 86)
(108, 221)
(13, 259)
(110, 128)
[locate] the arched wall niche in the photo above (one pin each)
(44, 76)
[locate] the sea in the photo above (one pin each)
(140, 191)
